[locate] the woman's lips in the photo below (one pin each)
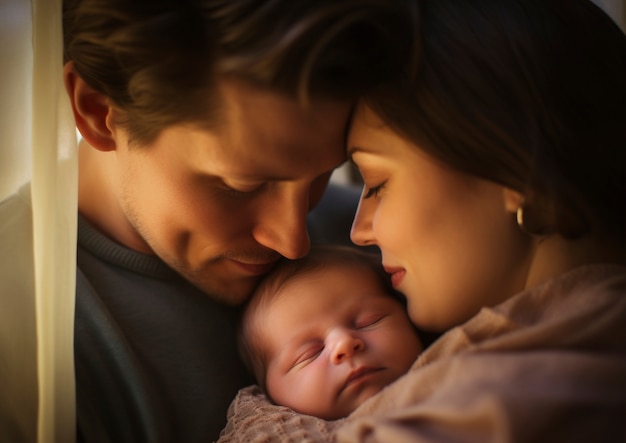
(397, 275)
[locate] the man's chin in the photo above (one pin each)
(223, 280)
(232, 291)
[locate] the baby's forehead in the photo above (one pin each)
(311, 305)
(306, 279)
(345, 281)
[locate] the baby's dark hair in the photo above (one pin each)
(250, 347)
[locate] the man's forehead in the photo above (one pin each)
(261, 127)
(242, 100)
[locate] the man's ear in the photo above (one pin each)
(92, 111)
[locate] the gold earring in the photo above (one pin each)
(522, 225)
(520, 218)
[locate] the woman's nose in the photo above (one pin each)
(344, 344)
(361, 232)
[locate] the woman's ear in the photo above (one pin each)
(513, 200)
(92, 111)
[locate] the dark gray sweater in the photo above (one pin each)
(156, 359)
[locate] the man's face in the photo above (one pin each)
(221, 206)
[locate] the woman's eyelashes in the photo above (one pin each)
(374, 191)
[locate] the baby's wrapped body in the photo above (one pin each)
(501, 377)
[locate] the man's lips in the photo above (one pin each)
(397, 275)
(254, 268)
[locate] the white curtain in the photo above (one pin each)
(616, 9)
(38, 224)
(37, 227)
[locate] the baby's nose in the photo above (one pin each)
(344, 344)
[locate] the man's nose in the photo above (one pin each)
(344, 344)
(281, 223)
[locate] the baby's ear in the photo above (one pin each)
(93, 111)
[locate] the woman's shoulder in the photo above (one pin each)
(582, 294)
(580, 310)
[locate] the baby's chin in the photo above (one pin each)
(344, 410)
(366, 394)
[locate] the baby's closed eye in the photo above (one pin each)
(368, 320)
(308, 354)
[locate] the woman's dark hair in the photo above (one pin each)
(530, 94)
(158, 60)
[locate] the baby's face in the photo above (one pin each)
(335, 339)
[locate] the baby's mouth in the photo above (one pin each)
(359, 374)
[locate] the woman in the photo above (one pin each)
(503, 163)
(495, 187)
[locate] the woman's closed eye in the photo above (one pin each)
(374, 191)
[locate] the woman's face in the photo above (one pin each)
(449, 240)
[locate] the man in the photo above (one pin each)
(210, 129)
